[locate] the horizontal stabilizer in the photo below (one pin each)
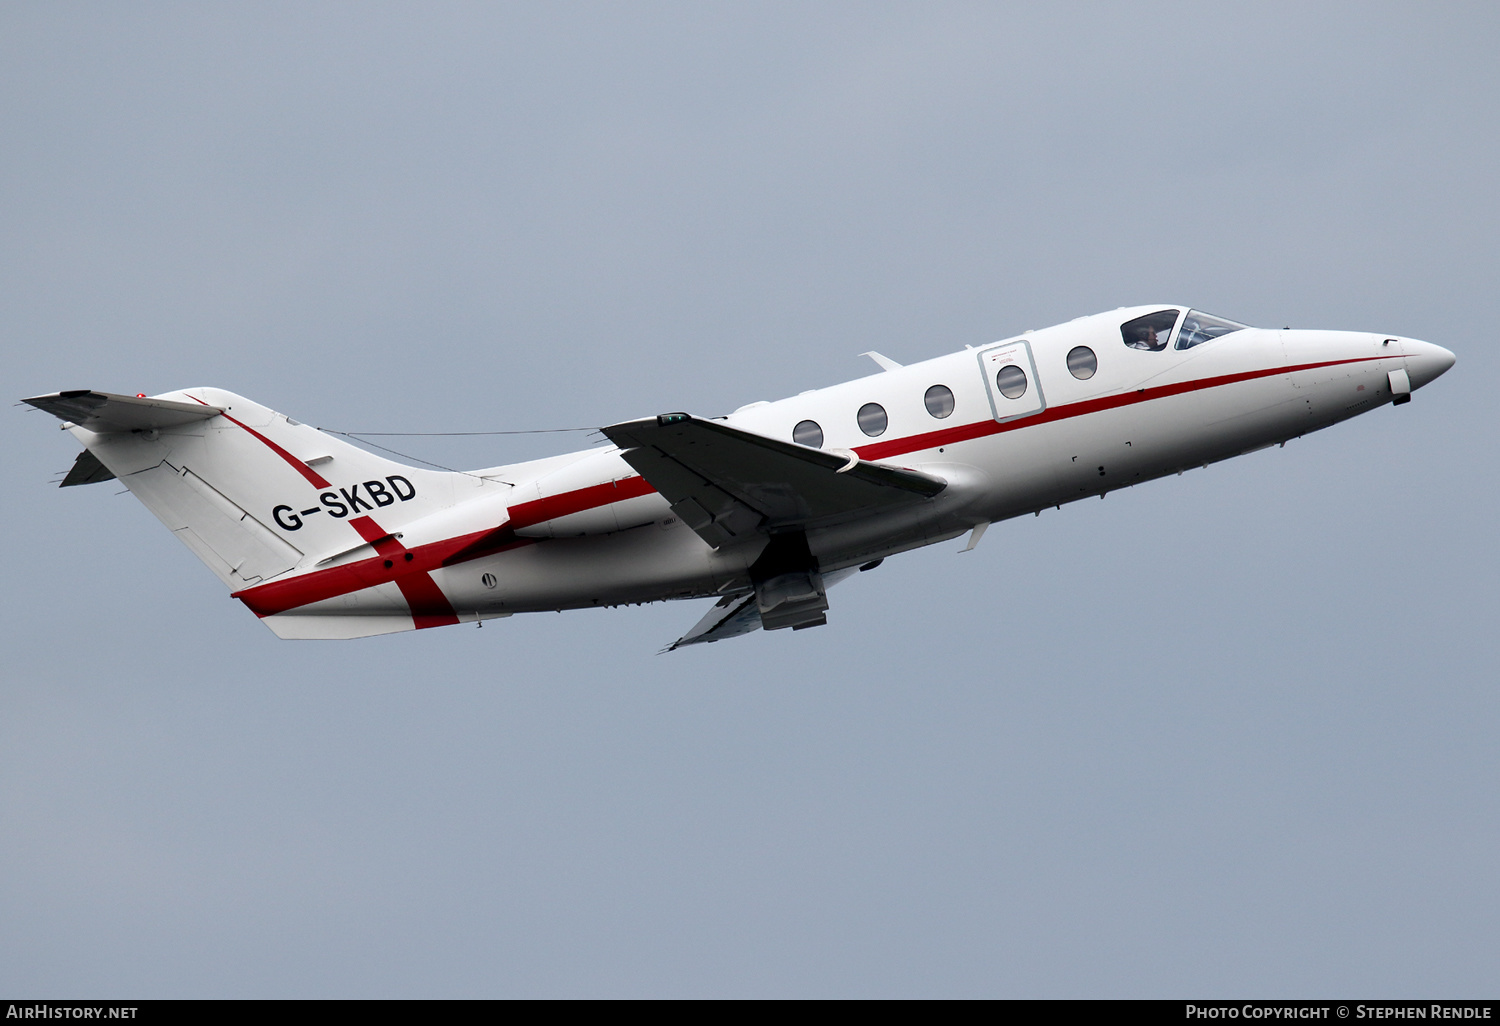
(105, 412)
(86, 470)
(727, 484)
(741, 613)
(730, 617)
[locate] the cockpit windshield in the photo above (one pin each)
(1198, 328)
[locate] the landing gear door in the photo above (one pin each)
(1010, 380)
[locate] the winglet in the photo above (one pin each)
(886, 363)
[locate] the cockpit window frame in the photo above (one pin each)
(1139, 324)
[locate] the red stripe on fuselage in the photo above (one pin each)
(429, 606)
(379, 538)
(317, 585)
(538, 511)
(966, 432)
(331, 582)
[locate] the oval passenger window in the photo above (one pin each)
(1082, 363)
(808, 433)
(1011, 380)
(872, 419)
(939, 400)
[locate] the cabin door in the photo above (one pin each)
(1010, 380)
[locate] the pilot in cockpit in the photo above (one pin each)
(1150, 332)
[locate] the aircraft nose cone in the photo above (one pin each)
(1425, 362)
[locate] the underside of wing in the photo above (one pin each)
(727, 484)
(106, 411)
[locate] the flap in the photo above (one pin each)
(728, 484)
(105, 411)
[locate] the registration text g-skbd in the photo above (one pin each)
(349, 501)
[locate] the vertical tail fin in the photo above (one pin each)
(252, 493)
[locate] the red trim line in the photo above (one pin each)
(537, 511)
(313, 477)
(384, 542)
(966, 432)
(315, 586)
(429, 606)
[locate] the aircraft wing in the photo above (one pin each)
(105, 411)
(727, 484)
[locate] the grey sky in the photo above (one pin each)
(1225, 734)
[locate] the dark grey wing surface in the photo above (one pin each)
(106, 411)
(728, 484)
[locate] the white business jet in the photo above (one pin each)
(761, 510)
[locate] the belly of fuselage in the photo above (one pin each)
(649, 563)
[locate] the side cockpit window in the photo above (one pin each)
(1198, 328)
(1151, 332)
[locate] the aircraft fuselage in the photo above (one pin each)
(1022, 425)
(1141, 415)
